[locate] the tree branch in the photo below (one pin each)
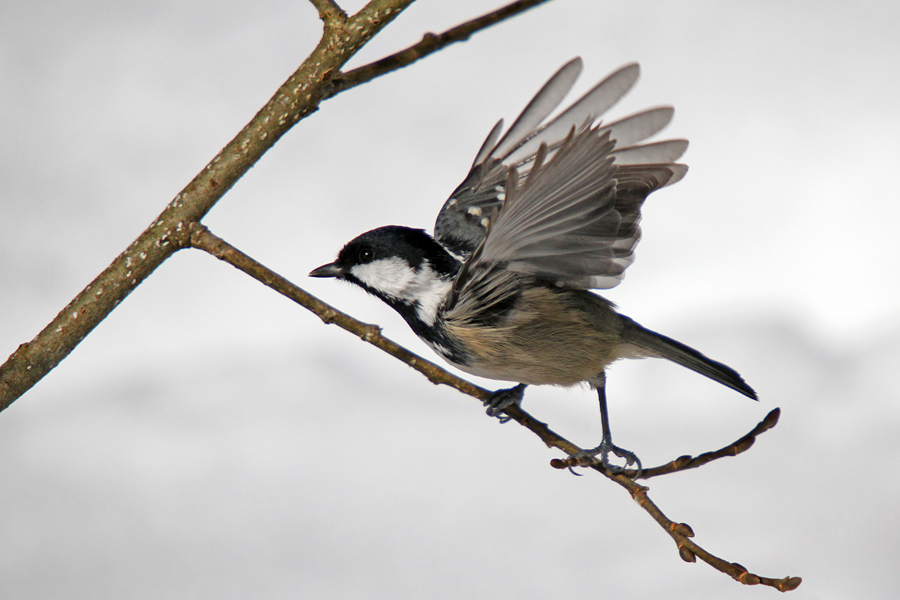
(429, 43)
(683, 463)
(296, 99)
(201, 238)
(329, 11)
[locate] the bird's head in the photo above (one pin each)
(404, 267)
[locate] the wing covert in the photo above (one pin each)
(464, 219)
(574, 219)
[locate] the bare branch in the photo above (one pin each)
(430, 43)
(742, 445)
(690, 551)
(296, 99)
(329, 11)
(685, 462)
(203, 239)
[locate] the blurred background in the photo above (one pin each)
(212, 439)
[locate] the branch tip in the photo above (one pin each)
(737, 447)
(771, 419)
(788, 583)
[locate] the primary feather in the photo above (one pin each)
(464, 219)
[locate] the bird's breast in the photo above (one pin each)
(555, 337)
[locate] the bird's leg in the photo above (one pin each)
(502, 399)
(606, 446)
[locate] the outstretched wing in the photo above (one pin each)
(572, 222)
(464, 219)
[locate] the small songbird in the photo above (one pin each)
(547, 212)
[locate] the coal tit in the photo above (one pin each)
(547, 212)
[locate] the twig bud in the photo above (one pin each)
(687, 555)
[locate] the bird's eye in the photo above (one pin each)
(366, 255)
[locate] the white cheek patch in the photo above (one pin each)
(394, 278)
(390, 276)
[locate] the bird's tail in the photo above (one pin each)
(665, 347)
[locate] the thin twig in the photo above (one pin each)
(742, 445)
(430, 42)
(203, 239)
(685, 462)
(689, 550)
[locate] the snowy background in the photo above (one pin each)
(212, 440)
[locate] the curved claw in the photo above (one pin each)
(502, 399)
(589, 457)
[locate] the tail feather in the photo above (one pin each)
(666, 347)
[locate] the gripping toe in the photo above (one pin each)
(590, 457)
(502, 399)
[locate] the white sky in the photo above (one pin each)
(777, 253)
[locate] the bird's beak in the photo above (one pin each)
(329, 270)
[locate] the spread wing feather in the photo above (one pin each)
(504, 162)
(543, 103)
(562, 224)
(573, 222)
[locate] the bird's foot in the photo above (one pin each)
(587, 458)
(502, 399)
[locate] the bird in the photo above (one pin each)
(548, 212)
